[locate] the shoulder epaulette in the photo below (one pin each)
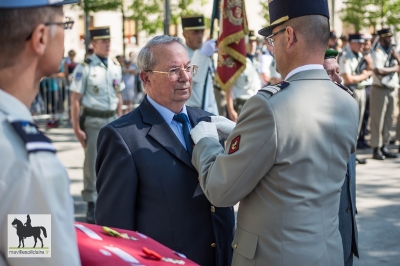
(274, 89)
(87, 61)
(345, 89)
(32, 137)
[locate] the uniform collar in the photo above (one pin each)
(95, 59)
(14, 108)
(303, 68)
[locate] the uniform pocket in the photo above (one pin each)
(245, 243)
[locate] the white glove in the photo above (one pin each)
(224, 126)
(208, 48)
(204, 130)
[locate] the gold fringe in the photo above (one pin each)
(224, 46)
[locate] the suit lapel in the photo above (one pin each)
(161, 132)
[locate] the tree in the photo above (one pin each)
(95, 6)
(148, 15)
(385, 13)
(355, 13)
(265, 10)
(363, 13)
(100, 5)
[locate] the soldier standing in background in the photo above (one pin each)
(354, 77)
(383, 93)
(203, 91)
(96, 101)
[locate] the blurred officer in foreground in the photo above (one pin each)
(355, 78)
(383, 94)
(286, 159)
(32, 180)
(145, 179)
(347, 208)
(200, 54)
(96, 101)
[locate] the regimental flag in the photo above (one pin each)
(231, 43)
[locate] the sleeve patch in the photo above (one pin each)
(234, 145)
(78, 76)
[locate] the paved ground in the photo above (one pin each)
(378, 199)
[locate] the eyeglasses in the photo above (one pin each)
(271, 40)
(175, 73)
(67, 25)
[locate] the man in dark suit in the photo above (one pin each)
(347, 207)
(145, 179)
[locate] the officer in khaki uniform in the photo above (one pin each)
(385, 84)
(32, 179)
(286, 159)
(355, 78)
(96, 101)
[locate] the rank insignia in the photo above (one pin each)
(234, 145)
(273, 89)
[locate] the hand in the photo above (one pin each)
(208, 48)
(204, 130)
(81, 136)
(223, 125)
(368, 59)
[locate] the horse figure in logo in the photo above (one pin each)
(28, 231)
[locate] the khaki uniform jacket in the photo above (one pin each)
(287, 164)
(98, 84)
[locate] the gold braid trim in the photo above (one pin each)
(224, 46)
(231, 80)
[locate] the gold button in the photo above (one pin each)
(213, 245)
(212, 209)
(235, 246)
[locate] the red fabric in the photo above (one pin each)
(231, 43)
(95, 253)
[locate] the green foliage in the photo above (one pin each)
(355, 13)
(264, 11)
(363, 13)
(185, 8)
(148, 14)
(100, 5)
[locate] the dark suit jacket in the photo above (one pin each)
(347, 211)
(146, 182)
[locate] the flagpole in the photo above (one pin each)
(214, 16)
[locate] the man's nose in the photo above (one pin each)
(184, 75)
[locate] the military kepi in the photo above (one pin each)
(385, 33)
(195, 22)
(252, 37)
(284, 10)
(357, 37)
(34, 3)
(99, 33)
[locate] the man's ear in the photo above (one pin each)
(39, 40)
(144, 76)
(291, 37)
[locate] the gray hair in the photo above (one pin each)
(146, 60)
